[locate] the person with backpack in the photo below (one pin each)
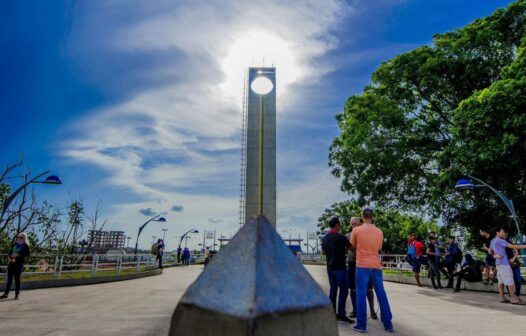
(415, 252)
(410, 255)
(158, 250)
(453, 257)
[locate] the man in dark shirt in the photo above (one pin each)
(334, 246)
(489, 269)
(453, 256)
(434, 261)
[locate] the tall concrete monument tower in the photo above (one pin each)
(260, 144)
(264, 288)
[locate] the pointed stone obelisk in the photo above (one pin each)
(254, 286)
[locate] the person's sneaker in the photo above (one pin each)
(374, 316)
(352, 315)
(389, 329)
(456, 290)
(3, 297)
(355, 328)
(344, 319)
(16, 297)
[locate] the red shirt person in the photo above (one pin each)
(416, 263)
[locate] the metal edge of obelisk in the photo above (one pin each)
(194, 317)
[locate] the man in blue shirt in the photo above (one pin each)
(453, 256)
(498, 247)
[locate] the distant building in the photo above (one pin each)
(101, 240)
(117, 239)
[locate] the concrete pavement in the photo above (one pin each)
(144, 307)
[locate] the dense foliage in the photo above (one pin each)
(396, 226)
(437, 114)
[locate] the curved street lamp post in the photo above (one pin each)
(184, 235)
(153, 219)
(52, 179)
(467, 184)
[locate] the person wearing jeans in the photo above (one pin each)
(17, 257)
(363, 276)
(453, 256)
(434, 262)
(338, 280)
(513, 256)
(367, 240)
(334, 246)
(357, 221)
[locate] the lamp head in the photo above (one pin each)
(195, 231)
(162, 219)
(464, 184)
(52, 179)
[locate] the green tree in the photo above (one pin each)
(435, 114)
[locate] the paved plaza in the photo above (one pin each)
(144, 307)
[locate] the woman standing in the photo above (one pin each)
(17, 257)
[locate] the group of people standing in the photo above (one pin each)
(501, 261)
(439, 259)
(358, 275)
(183, 256)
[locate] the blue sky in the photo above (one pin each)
(136, 104)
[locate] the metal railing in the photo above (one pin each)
(393, 262)
(60, 266)
(54, 267)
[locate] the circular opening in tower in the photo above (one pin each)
(262, 85)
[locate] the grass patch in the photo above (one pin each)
(80, 275)
(397, 272)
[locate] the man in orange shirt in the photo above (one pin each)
(367, 241)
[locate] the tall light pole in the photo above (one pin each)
(156, 218)
(52, 179)
(467, 184)
(128, 244)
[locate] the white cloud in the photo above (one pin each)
(179, 140)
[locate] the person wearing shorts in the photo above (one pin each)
(489, 268)
(419, 258)
(498, 247)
